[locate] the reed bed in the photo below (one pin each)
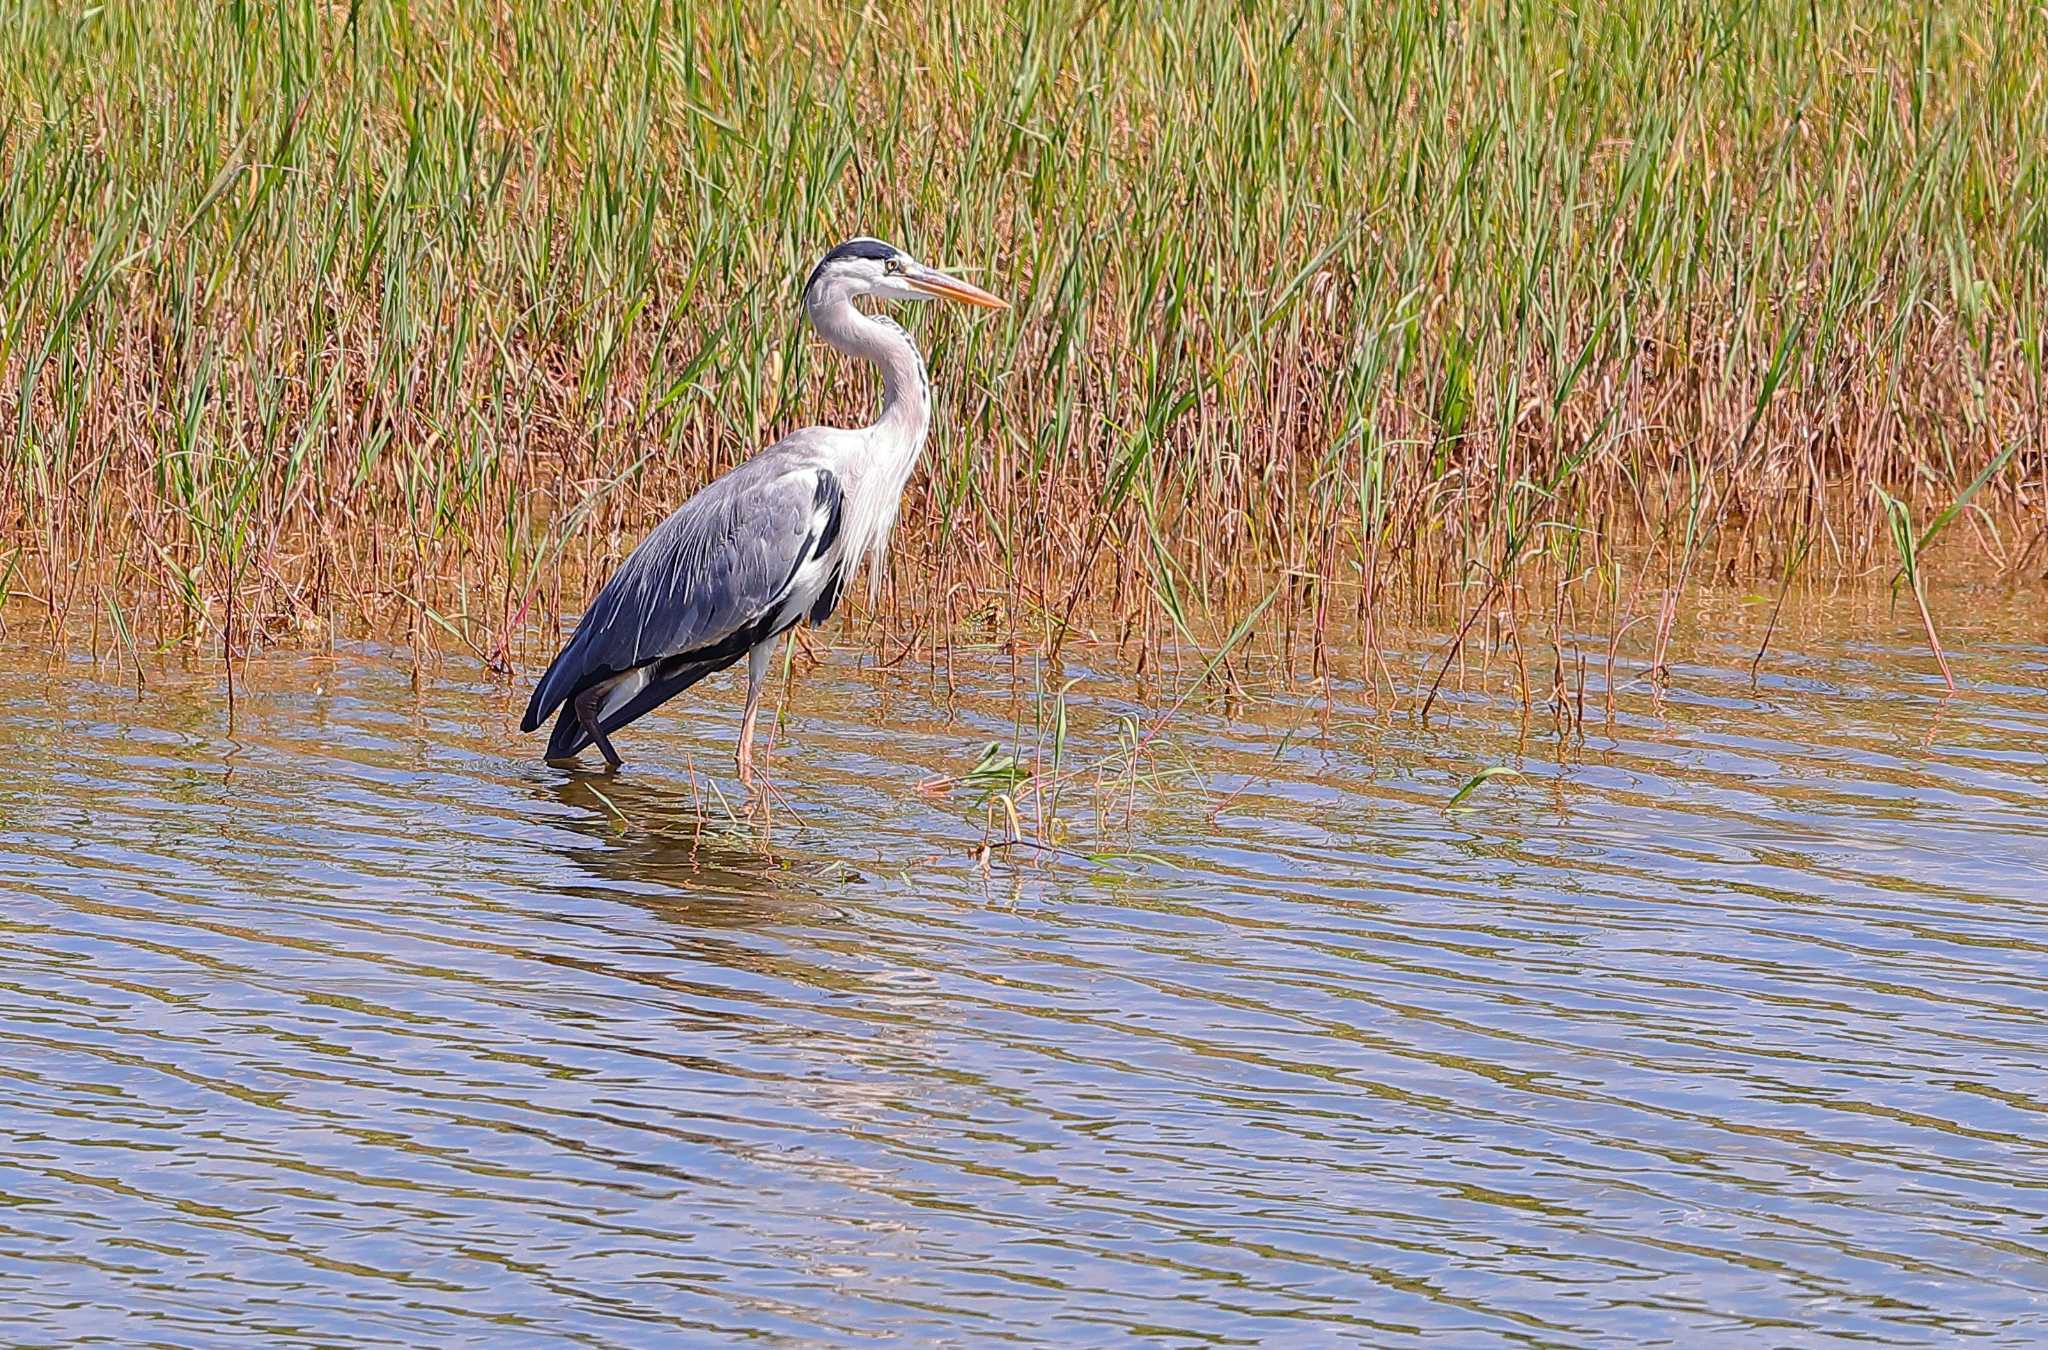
(318, 317)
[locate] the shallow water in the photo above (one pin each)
(1730, 1025)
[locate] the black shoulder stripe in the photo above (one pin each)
(833, 500)
(828, 498)
(828, 599)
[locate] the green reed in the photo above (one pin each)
(379, 310)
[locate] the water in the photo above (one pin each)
(362, 1027)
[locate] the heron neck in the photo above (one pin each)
(906, 393)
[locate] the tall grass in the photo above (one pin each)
(417, 314)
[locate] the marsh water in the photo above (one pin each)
(1726, 1025)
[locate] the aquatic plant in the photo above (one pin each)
(416, 315)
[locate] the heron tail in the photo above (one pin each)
(670, 678)
(554, 687)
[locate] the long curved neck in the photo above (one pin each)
(875, 479)
(898, 434)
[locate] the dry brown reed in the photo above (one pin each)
(412, 318)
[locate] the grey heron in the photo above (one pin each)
(767, 545)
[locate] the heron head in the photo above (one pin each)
(871, 267)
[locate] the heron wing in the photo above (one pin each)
(728, 561)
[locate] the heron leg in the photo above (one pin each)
(587, 704)
(757, 675)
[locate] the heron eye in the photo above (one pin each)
(895, 264)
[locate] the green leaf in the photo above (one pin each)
(1472, 783)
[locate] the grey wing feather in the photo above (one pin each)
(724, 562)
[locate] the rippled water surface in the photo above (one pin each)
(1728, 1025)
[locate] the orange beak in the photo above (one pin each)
(932, 281)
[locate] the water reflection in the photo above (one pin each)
(642, 834)
(1726, 1025)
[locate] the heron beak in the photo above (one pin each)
(932, 281)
